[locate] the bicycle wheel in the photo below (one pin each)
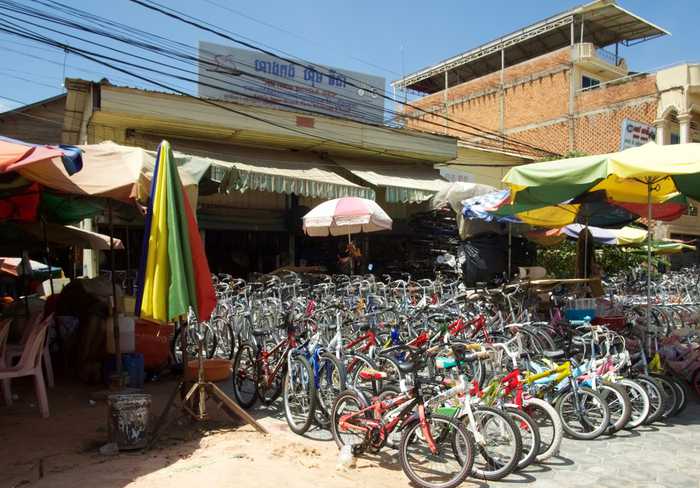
(639, 401)
(475, 370)
(349, 402)
(549, 424)
(681, 391)
(354, 363)
(299, 394)
(584, 414)
(671, 401)
(656, 398)
(500, 447)
(618, 404)
(245, 376)
(268, 392)
(529, 434)
(443, 463)
(330, 381)
(225, 338)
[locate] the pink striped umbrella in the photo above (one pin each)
(345, 216)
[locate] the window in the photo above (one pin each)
(588, 82)
(692, 210)
(675, 138)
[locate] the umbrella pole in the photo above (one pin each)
(48, 255)
(352, 258)
(115, 318)
(510, 251)
(648, 311)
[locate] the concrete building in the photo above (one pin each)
(562, 84)
(275, 164)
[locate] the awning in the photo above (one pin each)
(403, 184)
(67, 235)
(282, 172)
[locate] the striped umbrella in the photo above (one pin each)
(174, 273)
(345, 216)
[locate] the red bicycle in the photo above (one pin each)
(435, 451)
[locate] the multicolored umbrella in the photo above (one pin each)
(664, 247)
(174, 272)
(590, 208)
(627, 176)
(346, 216)
(626, 236)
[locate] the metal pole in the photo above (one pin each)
(128, 263)
(115, 318)
(510, 250)
(649, 188)
(48, 255)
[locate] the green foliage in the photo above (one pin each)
(559, 260)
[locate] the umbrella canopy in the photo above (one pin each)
(345, 216)
(590, 208)
(453, 195)
(17, 155)
(625, 236)
(174, 272)
(112, 170)
(625, 176)
(67, 235)
(13, 267)
(664, 247)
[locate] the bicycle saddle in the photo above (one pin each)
(260, 332)
(553, 354)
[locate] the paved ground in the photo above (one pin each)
(61, 452)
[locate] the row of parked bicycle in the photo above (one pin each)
(462, 383)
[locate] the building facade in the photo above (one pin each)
(562, 85)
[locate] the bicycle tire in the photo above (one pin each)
(459, 439)
(245, 369)
(299, 384)
(657, 399)
(360, 402)
(671, 397)
(639, 401)
(547, 419)
(354, 363)
(586, 432)
(619, 405)
(682, 393)
(529, 435)
(493, 467)
(331, 373)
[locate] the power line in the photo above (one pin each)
(143, 46)
(175, 14)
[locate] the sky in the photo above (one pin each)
(387, 39)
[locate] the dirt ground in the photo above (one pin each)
(63, 450)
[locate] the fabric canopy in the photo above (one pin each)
(620, 237)
(625, 176)
(453, 195)
(115, 171)
(18, 155)
(282, 172)
(67, 235)
(403, 184)
(13, 266)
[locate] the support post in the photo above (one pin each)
(115, 318)
(445, 100)
(48, 254)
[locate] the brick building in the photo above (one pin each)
(563, 85)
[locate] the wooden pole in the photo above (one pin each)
(115, 318)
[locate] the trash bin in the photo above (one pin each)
(129, 420)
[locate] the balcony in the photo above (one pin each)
(598, 60)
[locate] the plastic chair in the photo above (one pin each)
(14, 351)
(30, 365)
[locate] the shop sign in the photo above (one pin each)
(252, 77)
(636, 134)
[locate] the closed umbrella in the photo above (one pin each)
(174, 276)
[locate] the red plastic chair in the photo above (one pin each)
(30, 365)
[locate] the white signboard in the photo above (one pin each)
(456, 175)
(252, 77)
(636, 133)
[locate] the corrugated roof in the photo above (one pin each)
(604, 23)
